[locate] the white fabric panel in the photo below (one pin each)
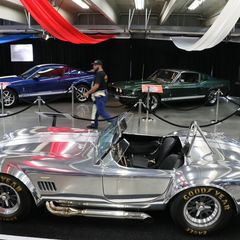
(216, 33)
(13, 237)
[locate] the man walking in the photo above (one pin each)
(99, 94)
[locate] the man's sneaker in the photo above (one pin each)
(92, 126)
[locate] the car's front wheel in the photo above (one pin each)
(211, 98)
(79, 91)
(15, 200)
(201, 210)
(10, 98)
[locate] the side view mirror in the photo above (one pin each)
(36, 77)
(181, 80)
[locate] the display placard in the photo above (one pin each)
(21, 53)
(152, 88)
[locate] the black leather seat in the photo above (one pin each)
(164, 150)
(141, 161)
(172, 161)
(143, 147)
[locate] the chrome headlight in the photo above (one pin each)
(120, 90)
(117, 89)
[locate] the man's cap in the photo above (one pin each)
(97, 62)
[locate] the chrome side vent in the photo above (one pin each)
(47, 186)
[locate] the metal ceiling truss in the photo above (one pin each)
(147, 15)
(169, 21)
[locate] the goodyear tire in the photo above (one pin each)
(80, 89)
(202, 210)
(15, 200)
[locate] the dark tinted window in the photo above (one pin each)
(72, 71)
(163, 75)
(205, 77)
(189, 77)
(50, 72)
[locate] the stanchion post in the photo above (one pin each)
(2, 112)
(217, 105)
(73, 91)
(217, 110)
(147, 111)
(147, 118)
(2, 100)
(73, 96)
(39, 102)
(139, 112)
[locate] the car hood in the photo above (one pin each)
(58, 149)
(10, 79)
(48, 143)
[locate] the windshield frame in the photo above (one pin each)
(30, 72)
(112, 133)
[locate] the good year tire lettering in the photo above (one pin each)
(6, 219)
(197, 191)
(202, 190)
(196, 232)
(11, 183)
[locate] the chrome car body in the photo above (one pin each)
(82, 172)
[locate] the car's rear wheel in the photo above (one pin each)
(154, 102)
(211, 98)
(10, 98)
(79, 91)
(15, 200)
(201, 210)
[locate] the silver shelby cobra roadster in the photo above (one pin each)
(77, 172)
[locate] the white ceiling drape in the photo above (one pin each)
(216, 33)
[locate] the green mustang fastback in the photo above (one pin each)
(177, 85)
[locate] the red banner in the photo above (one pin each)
(53, 22)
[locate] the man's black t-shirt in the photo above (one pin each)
(102, 79)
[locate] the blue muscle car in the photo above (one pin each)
(45, 80)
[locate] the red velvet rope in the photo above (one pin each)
(50, 20)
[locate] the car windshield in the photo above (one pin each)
(29, 72)
(110, 136)
(163, 75)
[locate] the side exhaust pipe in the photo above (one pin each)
(69, 212)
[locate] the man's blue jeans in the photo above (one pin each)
(101, 104)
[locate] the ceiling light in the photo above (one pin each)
(45, 36)
(81, 3)
(139, 4)
(195, 4)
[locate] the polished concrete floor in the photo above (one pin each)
(175, 113)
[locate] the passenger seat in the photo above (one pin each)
(173, 161)
(165, 149)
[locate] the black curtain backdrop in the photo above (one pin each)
(130, 58)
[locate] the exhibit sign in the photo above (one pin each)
(152, 88)
(21, 53)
